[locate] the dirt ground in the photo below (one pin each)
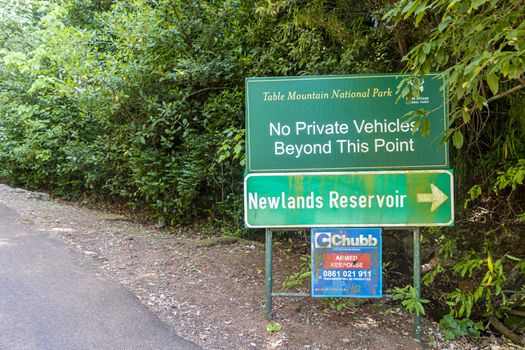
(212, 292)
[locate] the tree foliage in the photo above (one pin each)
(143, 101)
(479, 45)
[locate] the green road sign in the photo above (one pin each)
(349, 199)
(340, 123)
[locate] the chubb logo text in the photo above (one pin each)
(328, 240)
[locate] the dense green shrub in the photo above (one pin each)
(144, 100)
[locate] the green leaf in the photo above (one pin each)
(415, 128)
(273, 327)
(420, 13)
(457, 139)
(420, 310)
(512, 257)
(445, 22)
(425, 128)
(238, 149)
(419, 17)
(493, 82)
(474, 192)
(504, 68)
(465, 115)
(479, 100)
(447, 135)
(476, 3)
(409, 8)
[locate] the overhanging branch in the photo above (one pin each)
(508, 92)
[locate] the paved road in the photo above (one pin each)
(52, 298)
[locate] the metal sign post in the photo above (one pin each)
(417, 281)
(269, 276)
(268, 273)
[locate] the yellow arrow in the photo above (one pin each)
(436, 197)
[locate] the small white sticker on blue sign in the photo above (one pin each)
(346, 263)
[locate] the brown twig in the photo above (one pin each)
(206, 89)
(431, 265)
(518, 313)
(501, 328)
(434, 262)
(508, 92)
(500, 95)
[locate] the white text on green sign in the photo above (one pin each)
(361, 199)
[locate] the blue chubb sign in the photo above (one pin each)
(346, 263)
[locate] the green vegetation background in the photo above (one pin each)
(142, 103)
